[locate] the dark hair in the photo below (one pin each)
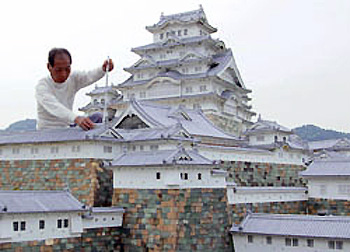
(58, 51)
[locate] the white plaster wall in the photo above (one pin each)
(329, 188)
(33, 232)
(107, 219)
(87, 149)
(232, 154)
(269, 138)
(145, 178)
(278, 244)
(262, 196)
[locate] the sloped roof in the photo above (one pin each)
(53, 135)
(184, 17)
(174, 42)
(170, 132)
(337, 227)
(336, 166)
(38, 201)
(330, 144)
(161, 157)
(221, 61)
(102, 90)
(262, 126)
(165, 116)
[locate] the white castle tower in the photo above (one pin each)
(185, 66)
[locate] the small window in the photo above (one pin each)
(268, 240)
(141, 147)
(198, 69)
(284, 139)
(23, 225)
(172, 32)
(107, 149)
(154, 147)
(199, 176)
(76, 148)
(54, 149)
(59, 223)
(41, 224)
(331, 244)
(339, 245)
(295, 242)
(250, 239)
(185, 176)
(288, 242)
(179, 33)
(167, 34)
(143, 94)
(188, 90)
(276, 138)
(15, 226)
(95, 101)
(66, 223)
(103, 101)
(15, 151)
(185, 32)
(310, 243)
(196, 106)
(161, 36)
(203, 88)
(158, 175)
(34, 150)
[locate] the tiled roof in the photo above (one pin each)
(337, 227)
(164, 116)
(174, 42)
(38, 201)
(184, 17)
(221, 60)
(267, 126)
(102, 90)
(53, 135)
(161, 157)
(337, 166)
(330, 144)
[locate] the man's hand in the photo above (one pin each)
(110, 65)
(84, 122)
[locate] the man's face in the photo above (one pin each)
(61, 69)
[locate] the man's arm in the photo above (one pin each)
(84, 79)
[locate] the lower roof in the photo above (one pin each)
(336, 227)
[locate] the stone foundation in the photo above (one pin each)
(175, 219)
(102, 239)
(263, 174)
(88, 182)
(328, 207)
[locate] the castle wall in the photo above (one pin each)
(328, 207)
(239, 211)
(88, 182)
(174, 219)
(263, 174)
(101, 239)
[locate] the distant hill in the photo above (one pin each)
(313, 133)
(23, 125)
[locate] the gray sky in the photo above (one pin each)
(293, 54)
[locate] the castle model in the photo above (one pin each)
(178, 165)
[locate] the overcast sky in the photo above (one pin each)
(293, 54)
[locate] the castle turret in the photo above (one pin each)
(185, 65)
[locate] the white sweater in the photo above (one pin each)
(55, 100)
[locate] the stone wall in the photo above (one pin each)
(239, 211)
(88, 182)
(263, 174)
(175, 219)
(328, 207)
(102, 239)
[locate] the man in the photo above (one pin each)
(55, 93)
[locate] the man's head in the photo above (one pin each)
(59, 64)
